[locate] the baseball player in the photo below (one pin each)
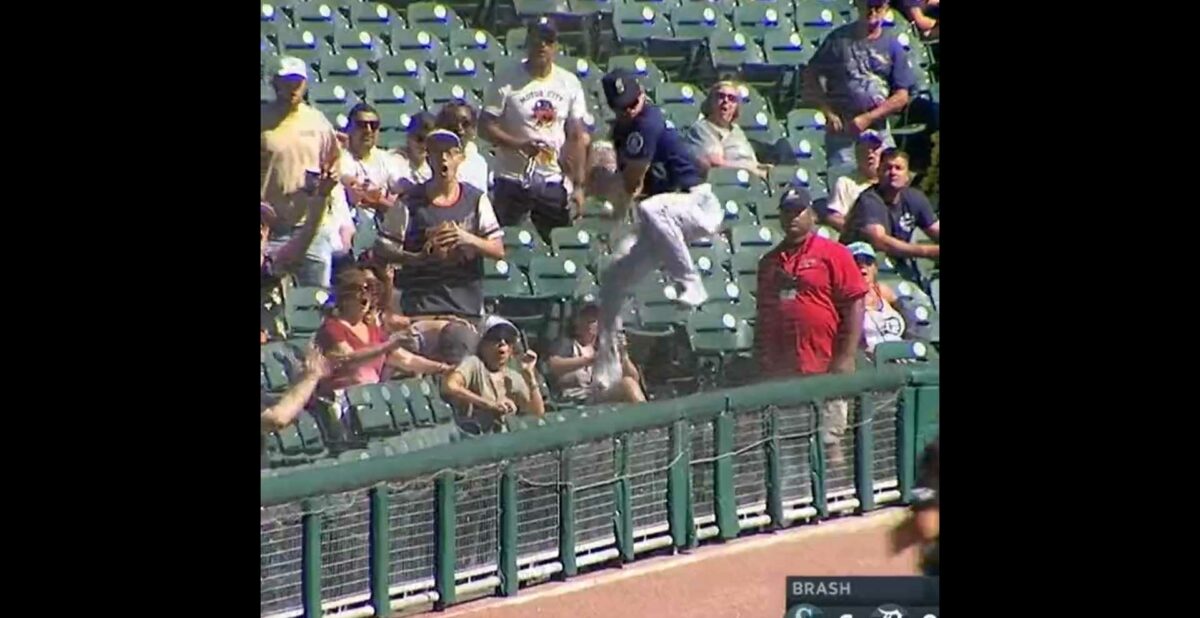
(662, 183)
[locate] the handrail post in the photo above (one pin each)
(379, 543)
(725, 506)
(677, 486)
(509, 577)
(444, 540)
(624, 500)
(310, 567)
(906, 444)
(566, 515)
(816, 459)
(774, 468)
(864, 453)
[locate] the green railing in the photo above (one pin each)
(482, 516)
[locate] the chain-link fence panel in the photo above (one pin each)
(794, 425)
(281, 554)
(345, 545)
(592, 463)
(884, 430)
(703, 447)
(537, 504)
(649, 456)
(749, 465)
(411, 518)
(477, 500)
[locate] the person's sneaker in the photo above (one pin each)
(690, 292)
(606, 367)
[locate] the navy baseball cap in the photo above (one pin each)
(874, 4)
(871, 137)
(796, 198)
(542, 29)
(621, 89)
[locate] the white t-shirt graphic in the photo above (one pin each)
(533, 109)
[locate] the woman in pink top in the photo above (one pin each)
(357, 344)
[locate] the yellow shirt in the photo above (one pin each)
(291, 144)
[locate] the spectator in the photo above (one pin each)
(413, 164)
(716, 139)
(533, 112)
(673, 203)
(847, 188)
(810, 309)
(886, 214)
(867, 79)
(881, 321)
(459, 118)
(485, 389)
(451, 228)
(283, 412)
(371, 175)
(924, 16)
(297, 149)
(358, 344)
(570, 364)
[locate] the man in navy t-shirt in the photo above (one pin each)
(887, 212)
(659, 177)
(867, 78)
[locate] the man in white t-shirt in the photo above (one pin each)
(533, 112)
(297, 145)
(846, 189)
(370, 174)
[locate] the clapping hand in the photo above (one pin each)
(528, 361)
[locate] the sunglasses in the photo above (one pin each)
(864, 260)
(370, 125)
(728, 96)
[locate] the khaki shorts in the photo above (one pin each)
(834, 419)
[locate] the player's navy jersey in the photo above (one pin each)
(647, 137)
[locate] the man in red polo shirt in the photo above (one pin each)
(810, 308)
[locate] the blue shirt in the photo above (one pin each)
(912, 210)
(647, 138)
(861, 73)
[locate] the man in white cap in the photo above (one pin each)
(298, 154)
(485, 389)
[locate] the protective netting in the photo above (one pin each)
(649, 456)
(537, 504)
(477, 496)
(411, 518)
(345, 545)
(702, 472)
(749, 465)
(280, 553)
(795, 468)
(591, 463)
(883, 429)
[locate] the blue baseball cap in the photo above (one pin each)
(796, 198)
(621, 89)
(858, 249)
(871, 137)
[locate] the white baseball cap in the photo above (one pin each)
(285, 66)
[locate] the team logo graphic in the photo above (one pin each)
(543, 113)
(907, 221)
(634, 143)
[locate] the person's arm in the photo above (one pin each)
(766, 320)
(346, 356)
(849, 290)
(562, 365)
(922, 22)
(494, 101)
(415, 363)
(888, 294)
(628, 369)
(489, 242)
(922, 211)
(813, 92)
(285, 411)
(454, 390)
(531, 402)
(877, 235)
(901, 81)
(839, 205)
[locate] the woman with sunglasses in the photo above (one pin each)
(881, 321)
(352, 338)
(716, 139)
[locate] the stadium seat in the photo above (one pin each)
(435, 18)
(418, 43)
(300, 43)
(526, 9)
(648, 74)
(828, 233)
(502, 279)
(816, 20)
(780, 177)
(321, 18)
(681, 115)
(349, 71)
(584, 7)
(361, 44)
(935, 292)
(720, 335)
(710, 260)
(463, 72)
(589, 73)
(744, 267)
(674, 93)
(378, 18)
(276, 359)
(806, 120)
(270, 15)
(555, 277)
(726, 296)
(311, 440)
(633, 24)
(408, 71)
(438, 94)
(757, 19)
(576, 243)
(324, 93)
(522, 244)
(786, 48)
(728, 176)
(370, 411)
(304, 309)
(366, 231)
(336, 113)
(730, 50)
(753, 238)
(392, 99)
(697, 20)
(478, 45)
(892, 351)
(410, 397)
(809, 150)
(761, 127)
(393, 127)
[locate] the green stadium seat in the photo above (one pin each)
(728, 176)
(464, 72)
(435, 18)
(711, 260)
(479, 45)
(331, 94)
(730, 50)
(809, 150)
(406, 70)
(300, 43)
(634, 24)
(555, 277)
(753, 238)
(369, 410)
(336, 113)
(351, 72)
(361, 44)
(588, 72)
(514, 42)
(271, 15)
(321, 18)
(585, 7)
(726, 296)
(678, 93)
(312, 442)
(418, 42)
(366, 231)
(378, 18)
(681, 115)
(828, 233)
(892, 351)
(921, 319)
(410, 396)
(275, 360)
(787, 48)
(303, 309)
(438, 94)
(697, 20)
(806, 120)
(816, 20)
(761, 127)
(391, 98)
(291, 447)
(719, 334)
(522, 244)
(502, 279)
(443, 412)
(758, 19)
(575, 243)
(526, 9)
(781, 176)
(648, 73)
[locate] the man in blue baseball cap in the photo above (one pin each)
(673, 205)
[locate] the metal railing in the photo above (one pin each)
(553, 496)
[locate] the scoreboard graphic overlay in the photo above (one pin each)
(862, 597)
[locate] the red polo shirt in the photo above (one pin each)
(799, 290)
